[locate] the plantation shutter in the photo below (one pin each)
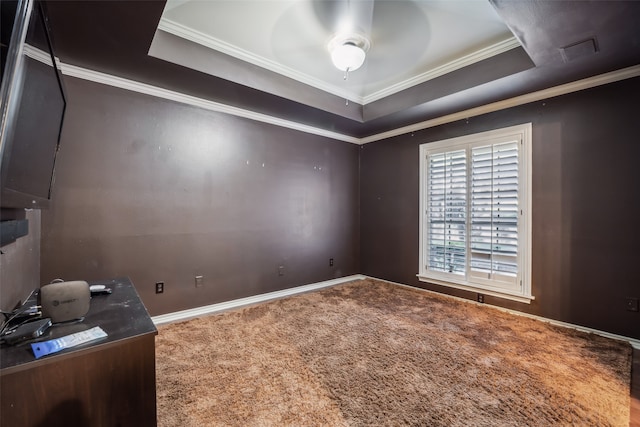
(475, 204)
(447, 212)
(494, 212)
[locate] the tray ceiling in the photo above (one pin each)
(411, 41)
(561, 42)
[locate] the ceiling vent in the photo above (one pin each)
(579, 49)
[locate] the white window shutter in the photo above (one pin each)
(475, 204)
(494, 212)
(447, 212)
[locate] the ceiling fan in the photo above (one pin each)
(371, 36)
(351, 24)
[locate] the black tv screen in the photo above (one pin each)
(33, 105)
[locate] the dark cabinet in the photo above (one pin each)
(109, 382)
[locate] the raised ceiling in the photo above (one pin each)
(410, 41)
(560, 42)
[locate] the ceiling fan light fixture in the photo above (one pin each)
(348, 53)
(348, 57)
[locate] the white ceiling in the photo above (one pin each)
(411, 41)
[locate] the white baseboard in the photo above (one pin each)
(634, 342)
(228, 305)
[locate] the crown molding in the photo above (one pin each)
(119, 82)
(187, 33)
(37, 54)
(472, 58)
(213, 43)
(587, 83)
(578, 85)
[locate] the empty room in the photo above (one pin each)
(320, 213)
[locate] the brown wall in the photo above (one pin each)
(160, 191)
(586, 205)
(20, 264)
(156, 190)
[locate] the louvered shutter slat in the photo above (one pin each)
(446, 212)
(494, 209)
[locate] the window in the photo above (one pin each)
(475, 212)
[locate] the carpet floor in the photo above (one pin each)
(369, 353)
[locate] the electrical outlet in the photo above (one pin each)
(159, 287)
(281, 270)
(633, 304)
(198, 281)
(480, 298)
(330, 262)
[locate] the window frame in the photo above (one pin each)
(521, 292)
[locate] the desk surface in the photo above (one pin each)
(120, 314)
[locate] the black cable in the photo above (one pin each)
(15, 327)
(17, 313)
(8, 323)
(28, 304)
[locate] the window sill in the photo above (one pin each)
(513, 296)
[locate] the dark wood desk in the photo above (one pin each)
(109, 382)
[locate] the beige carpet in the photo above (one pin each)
(369, 353)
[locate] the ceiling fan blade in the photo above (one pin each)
(345, 15)
(361, 15)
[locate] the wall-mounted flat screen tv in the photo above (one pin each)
(32, 108)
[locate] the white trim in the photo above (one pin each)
(242, 302)
(472, 58)
(633, 341)
(182, 31)
(37, 54)
(195, 36)
(500, 294)
(119, 82)
(228, 305)
(578, 85)
(602, 79)
(519, 288)
(40, 55)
